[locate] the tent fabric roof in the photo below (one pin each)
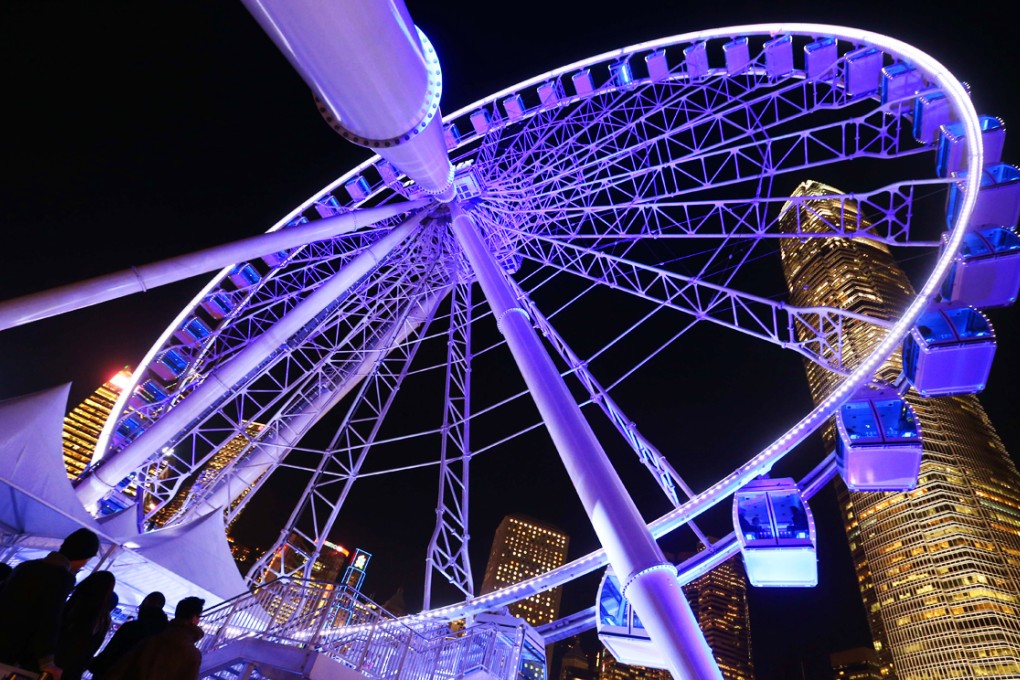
(36, 496)
(197, 550)
(37, 500)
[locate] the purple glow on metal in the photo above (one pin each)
(986, 273)
(654, 592)
(879, 445)
(949, 351)
(769, 456)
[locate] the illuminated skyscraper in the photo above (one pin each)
(856, 664)
(209, 473)
(523, 548)
(719, 601)
(611, 669)
(938, 567)
(85, 421)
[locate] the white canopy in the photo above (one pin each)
(36, 496)
(38, 507)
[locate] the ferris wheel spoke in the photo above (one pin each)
(316, 511)
(891, 212)
(283, 401)
(688, 117)
(678, 130)
(664, 474)
(447, 555)
(750, 314)
(877, 136)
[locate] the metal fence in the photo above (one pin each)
(347, 626)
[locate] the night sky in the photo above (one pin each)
(135, 133)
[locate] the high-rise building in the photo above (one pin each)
(611, 669)
(938, 567)
(86, 420)
(298, 601)
(860, 663)
(208, 474)
(575, 664)
(523, 548)
(719, 602)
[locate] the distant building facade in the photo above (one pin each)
(938, 567)
(611, 669)
(719, 602)
(86, 420)
(861, 663)
(208, 474)
(522, 548)
(575, 664)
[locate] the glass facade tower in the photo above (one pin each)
(719, 602)
(85, 421)
(522, 548)
(938, 567)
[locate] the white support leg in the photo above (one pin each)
(649, 581)
(47, 303)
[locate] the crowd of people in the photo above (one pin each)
(49, 625)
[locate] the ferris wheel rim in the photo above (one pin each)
(765, 459)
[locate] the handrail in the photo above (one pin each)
(340, 622)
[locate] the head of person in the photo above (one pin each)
(79, 547)
(189, 609)
(154, 600)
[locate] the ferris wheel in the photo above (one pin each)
(608, 210)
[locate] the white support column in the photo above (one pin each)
(139, 279)
(115, 467)
(371, 72)
(649, 581)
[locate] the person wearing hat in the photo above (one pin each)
(32, 603)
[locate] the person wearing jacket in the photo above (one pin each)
(151, 620)
(170, 655)
(32, 603)
(85, 623)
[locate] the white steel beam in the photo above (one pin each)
(379, 84)
(139, 279)
(113, 468)
(649, 580)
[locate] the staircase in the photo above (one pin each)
(293, 629)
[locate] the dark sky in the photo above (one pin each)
(137, 132)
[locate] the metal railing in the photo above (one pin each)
(343, 624)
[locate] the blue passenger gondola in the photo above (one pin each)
(619, 628)
(244, 275)
(219, 305)
(998, 201)
(949, 351)
(169, 366)
(879, 444)
(147, 393)
(191, 331)
(986, 271)
(776, 534)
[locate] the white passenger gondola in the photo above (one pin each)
(776, 534)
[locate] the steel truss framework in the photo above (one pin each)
(659, 190)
